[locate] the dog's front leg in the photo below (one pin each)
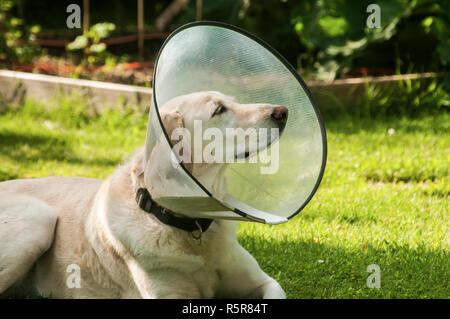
(163, 283)
(243, 278)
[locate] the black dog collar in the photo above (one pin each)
(194, 226)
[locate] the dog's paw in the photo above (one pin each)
(273, 290)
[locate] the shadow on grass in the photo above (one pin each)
(349, 218)
(32, 147)
(309, 269)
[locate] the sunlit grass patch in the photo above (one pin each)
(384, 198)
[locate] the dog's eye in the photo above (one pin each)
(219, 110)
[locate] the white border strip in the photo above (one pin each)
(74, 82)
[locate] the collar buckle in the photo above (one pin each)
(197, 234)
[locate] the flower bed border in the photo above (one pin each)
(15, 86)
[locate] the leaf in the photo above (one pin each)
(333, 26)
(97, 48)
(349, 48)
(326, 71)
(101, 30)
(15, 22)
(79, 43)
(35, 29)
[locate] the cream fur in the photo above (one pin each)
(50, 223)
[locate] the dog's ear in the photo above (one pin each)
(172, 121)
(137, 168)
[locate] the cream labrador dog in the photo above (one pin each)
(50, 228)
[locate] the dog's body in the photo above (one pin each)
(52, 227)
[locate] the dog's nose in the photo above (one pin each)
(279, 115)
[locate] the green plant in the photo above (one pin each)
(90, 42)
(17, 43)
(404, 98)
(335, 33)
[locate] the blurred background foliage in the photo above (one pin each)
(16, 38)
(322, 39)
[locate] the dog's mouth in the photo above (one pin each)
(247, 153)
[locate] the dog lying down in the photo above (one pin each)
(55, 228)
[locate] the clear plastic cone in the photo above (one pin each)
(208, 78)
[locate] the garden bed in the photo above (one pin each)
(132, 73)
(15, 86)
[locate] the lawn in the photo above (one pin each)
(383, 199)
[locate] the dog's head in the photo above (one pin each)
(221, 112)
(203, 112)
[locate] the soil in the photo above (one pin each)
(133, 73)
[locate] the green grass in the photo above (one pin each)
(383, 199)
